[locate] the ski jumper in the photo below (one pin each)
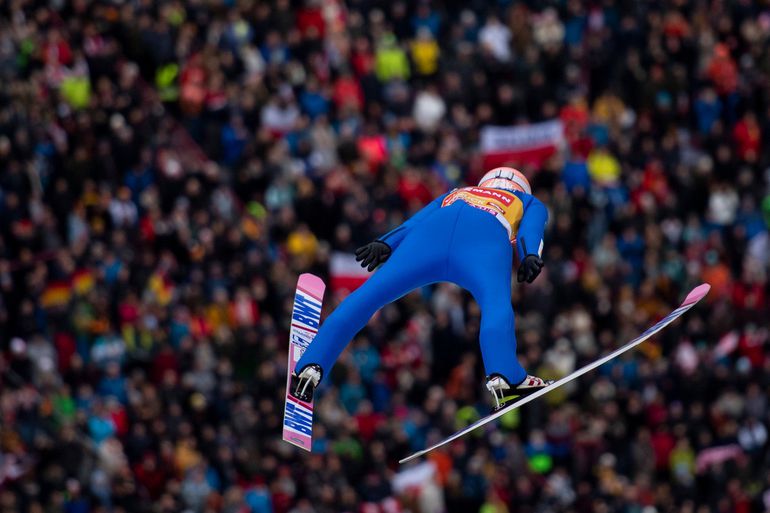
(465, 237)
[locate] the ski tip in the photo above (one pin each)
(312, 284)
(697, 294)
(296, 442)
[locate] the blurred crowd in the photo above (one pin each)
(168, 168)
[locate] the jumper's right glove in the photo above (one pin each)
(373, 254)
(530, 268)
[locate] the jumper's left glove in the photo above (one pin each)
(373, 254)
(530, 268)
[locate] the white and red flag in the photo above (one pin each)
(346, 274)
(520, 145)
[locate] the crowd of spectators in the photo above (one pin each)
(168, 168)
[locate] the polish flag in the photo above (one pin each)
(346, 274)
(521, 145)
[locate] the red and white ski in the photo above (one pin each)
(692, 298)
(305, 319)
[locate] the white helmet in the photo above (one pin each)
(506, 178)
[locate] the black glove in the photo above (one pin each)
(373, 254)
(530, 268)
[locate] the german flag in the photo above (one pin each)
(56, 294)
(83, 281)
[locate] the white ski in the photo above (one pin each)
(305, 318)
(692, 298)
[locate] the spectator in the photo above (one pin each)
(495, 39)
(425, 53)
(390, 60)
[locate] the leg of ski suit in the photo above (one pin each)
(481, 262)
(457, 243)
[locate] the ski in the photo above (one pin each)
(305, 319)
(691, 300)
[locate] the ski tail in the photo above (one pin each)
(305, 320)
(691, 300)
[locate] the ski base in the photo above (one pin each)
(305, 319)
(691, 300)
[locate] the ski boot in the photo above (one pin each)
(504, 393)
(303, 385)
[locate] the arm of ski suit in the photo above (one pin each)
(529, 239)
(394, 237)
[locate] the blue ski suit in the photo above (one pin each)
(465, 237)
